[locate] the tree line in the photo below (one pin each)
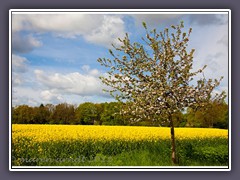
(215, 115)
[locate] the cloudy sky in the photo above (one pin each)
(54, 55)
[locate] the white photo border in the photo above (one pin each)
(118, 11)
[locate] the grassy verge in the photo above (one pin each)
(190, 152)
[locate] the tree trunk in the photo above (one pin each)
(174, 160)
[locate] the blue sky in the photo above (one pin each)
(54, 56)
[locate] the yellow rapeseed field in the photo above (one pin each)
(46, 133)
(43, 145)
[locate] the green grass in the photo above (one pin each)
(196, 152)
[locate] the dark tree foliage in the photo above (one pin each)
(86, 113)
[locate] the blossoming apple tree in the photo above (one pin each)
(156, 77)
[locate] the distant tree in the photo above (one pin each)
(86, 113)
(219, 114)
(178, 119)
(50, 108)
(99, 111)
(63, 114)
(225, 123)
(157, 76)
(110, 115)
(41, 115)
(14, 115)
(22, 114)
(213, 115)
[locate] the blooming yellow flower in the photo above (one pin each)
(43, 133)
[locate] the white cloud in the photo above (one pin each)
(107, 33)
(157, 19)
(97, 29)
(208, 19)
(85, 68)
(25, 95)
(50, 96)
(72, 83)
(58, 23)
(19, 68)
(94, 73)
(19, 64)
(17, 79)
(169, 19)
(224, 40)
(34, 87)
(34, 96)
(24, 44)
(211, 50)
